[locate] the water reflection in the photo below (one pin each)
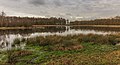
(8, 36)
(6, 41)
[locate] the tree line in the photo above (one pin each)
(109, 21)
(10, 21)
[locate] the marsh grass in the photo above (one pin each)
(74, 39)
(67, 50)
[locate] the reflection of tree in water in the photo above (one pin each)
(104, 29)
(50, 29)
(34, 30)
(8, 42)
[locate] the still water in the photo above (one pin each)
(7, 37)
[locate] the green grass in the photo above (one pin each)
(91, 54)
(46, 51)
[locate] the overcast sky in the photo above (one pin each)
(71, 9)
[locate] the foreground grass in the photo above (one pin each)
(91, 54)
(68, 50)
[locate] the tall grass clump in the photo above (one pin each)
(55, 42)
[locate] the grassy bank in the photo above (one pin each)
(42, 26)
(66, 50)
(14, 28)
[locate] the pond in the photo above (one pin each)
(7, 37)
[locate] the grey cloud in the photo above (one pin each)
(58, 2)
(69, 14)
(64, 8)
(37, 2)
(53, 2)
(15, 0)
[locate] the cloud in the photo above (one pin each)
(15, 0)
(37, 2)
(57, 2)
(63, 8)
